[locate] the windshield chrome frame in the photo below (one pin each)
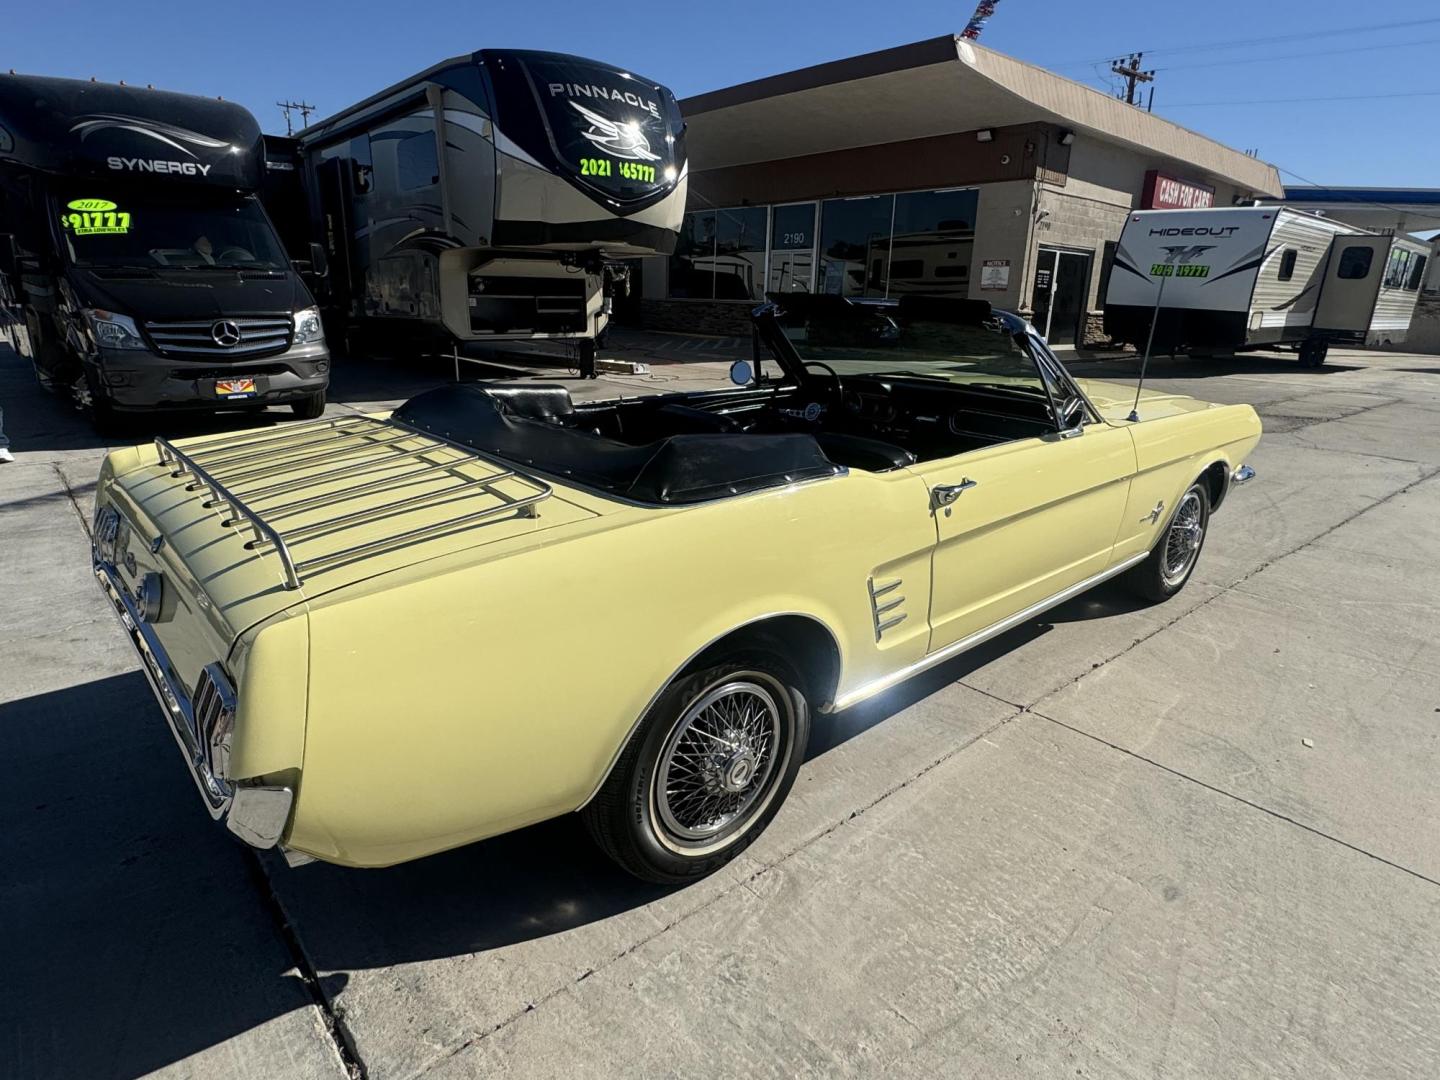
(766, 318)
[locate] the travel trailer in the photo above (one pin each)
(490, 197)
(147, 272)
(1259, 277)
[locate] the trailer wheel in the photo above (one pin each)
(1313, 353)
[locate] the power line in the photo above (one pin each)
(1268, 40)
(1302, 100)
(1299, 55)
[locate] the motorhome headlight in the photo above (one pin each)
(307, 327)
(113, 330)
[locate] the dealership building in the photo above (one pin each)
(940, 167)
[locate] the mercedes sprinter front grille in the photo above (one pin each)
(221, 338)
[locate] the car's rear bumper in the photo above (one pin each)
(1242, 475)
(256, 814)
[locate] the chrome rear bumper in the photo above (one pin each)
(258, 815)
(1243, 475)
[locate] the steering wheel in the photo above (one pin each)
(839, 386)
(236, 254)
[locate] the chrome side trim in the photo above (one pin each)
(1243, 475)
(870, 689)
(256, 814)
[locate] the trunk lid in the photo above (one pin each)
(242, 526)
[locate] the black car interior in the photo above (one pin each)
(674, 449)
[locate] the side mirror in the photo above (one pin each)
(741, 373)
(318, 263)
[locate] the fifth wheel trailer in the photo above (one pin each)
(1256, 277)
(489, 197)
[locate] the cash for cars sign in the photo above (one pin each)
(1165, 192)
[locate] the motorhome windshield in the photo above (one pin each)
(613, 129)
(156, 229)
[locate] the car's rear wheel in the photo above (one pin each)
(706, 771)
(1172, 560)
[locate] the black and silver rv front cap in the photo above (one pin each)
(615, 132)
(98, 129)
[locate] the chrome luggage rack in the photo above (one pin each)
(343, 447)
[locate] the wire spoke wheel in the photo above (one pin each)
(1183, 538)
(719, 762)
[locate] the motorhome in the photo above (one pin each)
(147, 271)
(491, 197)
(1259, 277)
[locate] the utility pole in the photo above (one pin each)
(1129, 70)
(302, 107)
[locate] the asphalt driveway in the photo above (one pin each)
(1197, 839)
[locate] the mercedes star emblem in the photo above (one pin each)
(225, 333)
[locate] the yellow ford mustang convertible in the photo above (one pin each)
(377, 637)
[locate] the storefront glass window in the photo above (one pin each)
(739, 262)
(934, 236)
(792, 248)
(855, 245)
(691, 267)
(872, 246)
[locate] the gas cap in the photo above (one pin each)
(148, 595)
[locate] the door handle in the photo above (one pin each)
(945, 494)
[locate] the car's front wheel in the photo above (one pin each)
(706, 771)
(310, 407)
(1172, 560)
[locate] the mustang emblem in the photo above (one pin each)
(621, 140)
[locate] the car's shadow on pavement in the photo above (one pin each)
(549, 878)
(132, 933)
(141, 933)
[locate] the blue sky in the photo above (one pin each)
(1256, 53)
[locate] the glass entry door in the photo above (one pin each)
(1062, 285)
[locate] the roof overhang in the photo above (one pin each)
(1401, 209)
(937, 87)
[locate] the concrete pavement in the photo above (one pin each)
(1097, 846)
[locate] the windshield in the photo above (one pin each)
(157, 229)
(857, 339)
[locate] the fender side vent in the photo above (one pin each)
(885, 608)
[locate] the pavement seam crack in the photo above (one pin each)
(1237, 798)
(532, 1006)
(74, 502)
(342, 1041)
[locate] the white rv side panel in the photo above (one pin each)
(1395, 303)
(1287, 285)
